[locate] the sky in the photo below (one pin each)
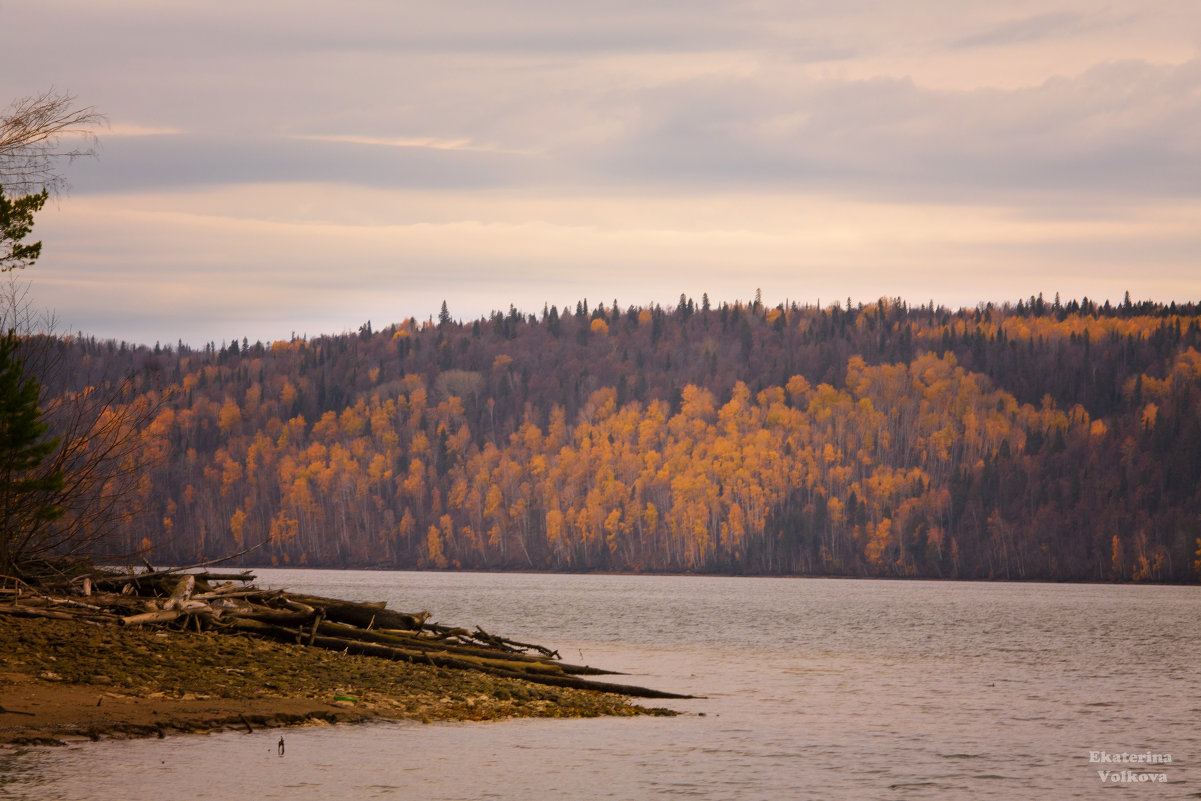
(284, 167)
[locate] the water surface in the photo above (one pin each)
(815, 688)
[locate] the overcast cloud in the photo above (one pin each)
(281, 167)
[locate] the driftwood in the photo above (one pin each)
(121, 581)
(182, 592)
(18, 610)
(245, 576)
(197, 601)
(160, 616)
(363, 615)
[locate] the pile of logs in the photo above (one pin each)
(228, 603)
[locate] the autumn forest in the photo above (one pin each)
(1031, 440)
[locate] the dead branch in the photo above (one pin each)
(40, 131)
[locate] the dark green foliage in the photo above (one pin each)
(16, 221)
(28, 493)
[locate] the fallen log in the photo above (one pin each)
(118, 580)
(34, 611)
(601, 686)
(502, 642)
(410, 641)
(230, 591)
(160, 616)
(362, 614)
(182, 592)
(537, 677)
(509, 670)
(245, 576)
(266, 614)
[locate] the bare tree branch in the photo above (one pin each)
(104, 448)
(39, 131)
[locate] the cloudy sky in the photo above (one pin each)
(288, 166)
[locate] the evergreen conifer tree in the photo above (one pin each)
(16, 221)
(28, 491)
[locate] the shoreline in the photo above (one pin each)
(1098, 582)
(68, 681)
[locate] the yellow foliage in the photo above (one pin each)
(433, 548)
(697, 402)
(878, 542)
(352, 421)
(237, 525)
(1188, 365)
(554, 527)
(287, 395)
(797, 388)
(230, 416)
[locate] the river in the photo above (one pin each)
(814, 689)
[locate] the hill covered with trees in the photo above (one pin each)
(1037, 440)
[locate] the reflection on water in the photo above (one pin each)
(815, 689)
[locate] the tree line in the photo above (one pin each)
(1032, 440)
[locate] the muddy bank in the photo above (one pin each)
(64, 680)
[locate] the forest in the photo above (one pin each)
(1029, 440)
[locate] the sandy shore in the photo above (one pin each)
(62, 681)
